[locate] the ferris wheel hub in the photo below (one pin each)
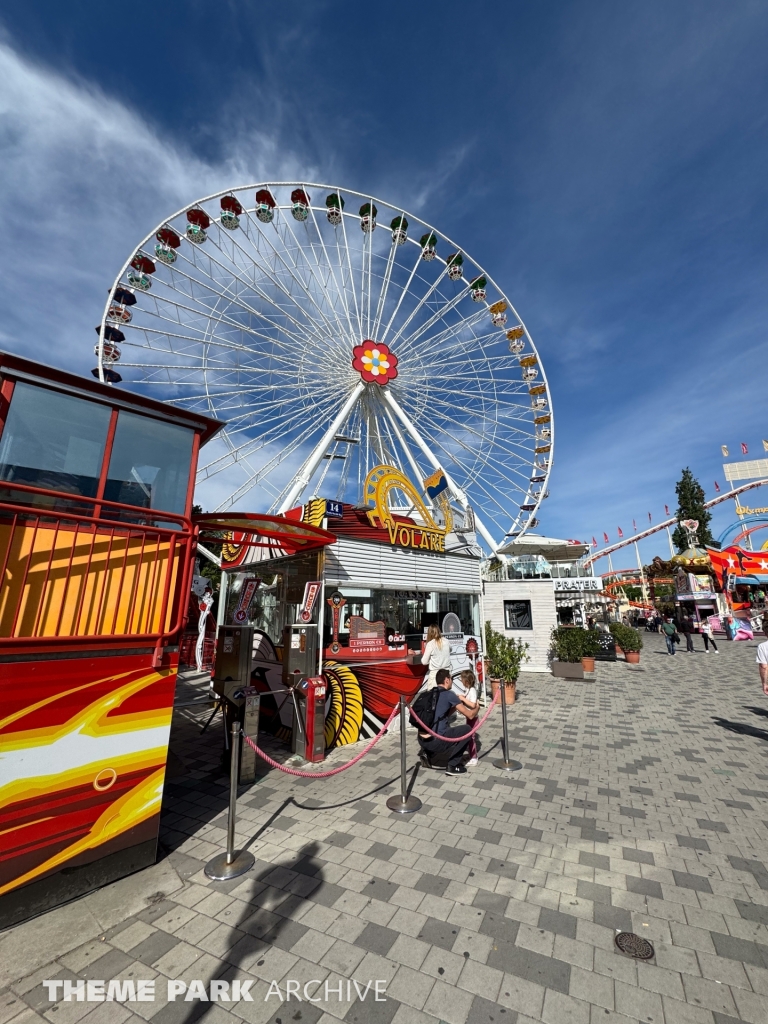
(375, 362)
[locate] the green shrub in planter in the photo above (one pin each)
(626, 638)
(568, 643)
(504, 655)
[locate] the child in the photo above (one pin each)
(464, 687)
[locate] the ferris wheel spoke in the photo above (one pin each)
(417, 473)
(423, 328)
(209, 314)
(330, 332)
(476, 482)
(405, 290)
(452, 339)
(300, 327)
(340, 291)
(336, 333)
(215, 287)
(289, 448)
(525, 454)
(432, 289)
(383, 291)
(351, 272)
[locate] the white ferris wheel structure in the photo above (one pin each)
(334, 332)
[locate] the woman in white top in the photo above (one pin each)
(437, 655)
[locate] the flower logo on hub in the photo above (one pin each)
(375, 363)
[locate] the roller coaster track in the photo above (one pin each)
(672, 521)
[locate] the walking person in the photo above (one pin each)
(669, 631)
(706, 631)
(437, 655)
(686, 626)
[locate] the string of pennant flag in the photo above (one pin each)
(620, 532)
(726, 454)
(744, 449)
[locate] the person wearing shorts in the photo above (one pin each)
(762, 664)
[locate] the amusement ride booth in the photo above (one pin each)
(96, 555)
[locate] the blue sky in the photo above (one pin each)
(605, 162)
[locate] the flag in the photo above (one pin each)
(717, 485)
(594, 543)
(435, 484)
(724, 450)
(666, 509)
(605, 538)
(634, 526)
(620, 531)
(744, 449)
(649, 518)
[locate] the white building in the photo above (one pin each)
(541, 582)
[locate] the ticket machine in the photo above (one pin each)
(232, 681)
(309, 719)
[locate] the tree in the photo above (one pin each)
(690, 505)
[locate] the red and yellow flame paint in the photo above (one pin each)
(82, 764)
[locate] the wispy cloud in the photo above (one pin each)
(84, 179)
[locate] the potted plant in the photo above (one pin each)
(629, 640)
(503, 656)
(567, 651)
(590, 647)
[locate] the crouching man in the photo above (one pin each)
(439, 752)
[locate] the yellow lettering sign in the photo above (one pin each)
(378, 484)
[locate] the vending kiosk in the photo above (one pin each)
(96, 556)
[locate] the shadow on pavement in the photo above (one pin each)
(741, 728)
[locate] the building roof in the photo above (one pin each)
(551, 548)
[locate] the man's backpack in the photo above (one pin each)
(425, 705)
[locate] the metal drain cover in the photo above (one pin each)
(634, 945)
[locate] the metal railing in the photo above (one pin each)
(104, 572)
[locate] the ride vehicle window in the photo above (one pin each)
(53, 441)
(150, 463)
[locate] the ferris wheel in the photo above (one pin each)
(334, 332)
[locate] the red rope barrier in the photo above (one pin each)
(465, 737)
(334, 771)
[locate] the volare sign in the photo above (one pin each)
(415, 537)
(380, 482)
(579, 583)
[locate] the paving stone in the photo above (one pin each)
(376, 938)
(688, 881)
(593, 892)
(595, 860)
(554, 921)
(644, 887)
(639, 856)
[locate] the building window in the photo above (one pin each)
(517, 615)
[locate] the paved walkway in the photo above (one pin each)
(642, 806)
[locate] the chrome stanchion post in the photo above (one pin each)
(403, 804)
(504, 762)
(233, 862)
